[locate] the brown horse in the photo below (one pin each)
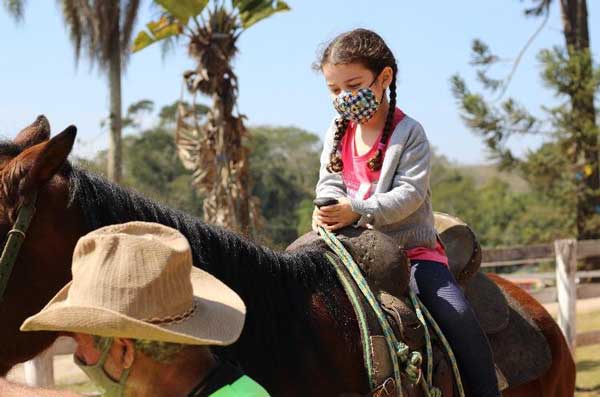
(301, 337)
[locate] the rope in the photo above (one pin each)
(360, 315)
(399, 352)
(418, 304)
(390, 338)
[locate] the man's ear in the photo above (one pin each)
(126, 352)
(37, 164)
(36, 132)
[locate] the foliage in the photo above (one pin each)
(564, 172)
(179, 14)
(284, 165)
(499, 215)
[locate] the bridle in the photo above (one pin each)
(15, 238)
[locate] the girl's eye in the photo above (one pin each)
(354, 87)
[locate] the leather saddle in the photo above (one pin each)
(521, 352)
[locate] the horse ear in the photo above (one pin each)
(36, 132)
(42, 161)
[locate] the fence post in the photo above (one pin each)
(566, 269)
(39, 371)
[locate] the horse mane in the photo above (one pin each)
(276, 286)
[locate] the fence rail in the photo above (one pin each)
(565, 253)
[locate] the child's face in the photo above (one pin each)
(354, 76)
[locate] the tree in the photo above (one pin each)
(103, 30)
(150, 162)
(565, 170)
(215, 150)
(14, 8)
(284, 164)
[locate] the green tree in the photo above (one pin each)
(214, 150)
(150, 162)
(14, 8)
(284, 164)
(565, 171)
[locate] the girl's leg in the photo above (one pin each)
(439, 292)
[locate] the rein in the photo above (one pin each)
(16, 235)
(404, 362)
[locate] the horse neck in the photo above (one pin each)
(275, 286)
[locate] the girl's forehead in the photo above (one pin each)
(344, 73)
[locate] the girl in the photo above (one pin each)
(376, 162)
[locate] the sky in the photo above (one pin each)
(431, 41)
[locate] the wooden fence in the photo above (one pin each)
(39, 371)
(565, 253)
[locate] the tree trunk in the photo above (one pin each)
(114, 147)
(227, 202)
(576, 32)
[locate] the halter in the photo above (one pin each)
(16, 235)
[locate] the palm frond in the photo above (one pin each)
(15, 8)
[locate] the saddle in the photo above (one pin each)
(521, 352)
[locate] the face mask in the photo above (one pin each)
(359, 106)
(98, 375)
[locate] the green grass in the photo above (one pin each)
(588, 358)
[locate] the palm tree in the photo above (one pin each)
(214, 150)
(14, 8)
(103, 29)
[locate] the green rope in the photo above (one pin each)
(360, 315)
(399, 352)
(418, 304)
(390, 338)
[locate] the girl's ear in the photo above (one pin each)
(386, 76)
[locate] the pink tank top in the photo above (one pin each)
(360, 182)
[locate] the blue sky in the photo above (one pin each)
(431, 41)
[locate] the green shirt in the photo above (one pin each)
(243, 387)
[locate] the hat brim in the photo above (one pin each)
(218, 318)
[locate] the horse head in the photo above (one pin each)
(35, 163)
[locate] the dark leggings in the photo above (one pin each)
(439, 292)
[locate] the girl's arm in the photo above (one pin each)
(329, 184)
(409, 186)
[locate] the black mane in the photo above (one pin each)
(275, 286)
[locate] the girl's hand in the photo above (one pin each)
(333, 217)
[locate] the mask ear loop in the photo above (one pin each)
(382, 92)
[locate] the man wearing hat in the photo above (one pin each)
(143, 318)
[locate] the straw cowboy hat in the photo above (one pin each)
(136, 280)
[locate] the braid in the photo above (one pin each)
(335, 160)
(376, 162)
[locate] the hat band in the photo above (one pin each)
(178, 318)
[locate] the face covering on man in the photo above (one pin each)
(98, 375)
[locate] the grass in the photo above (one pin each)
(588, 358)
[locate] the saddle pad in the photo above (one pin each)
(489, 303)
(520, 350)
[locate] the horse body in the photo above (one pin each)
(301, 336)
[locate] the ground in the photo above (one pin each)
(67, 375)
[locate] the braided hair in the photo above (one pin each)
(367, 48)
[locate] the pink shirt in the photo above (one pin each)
(360, 182)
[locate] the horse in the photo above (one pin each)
(301, 335)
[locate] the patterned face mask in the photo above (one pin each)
(359, 106)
